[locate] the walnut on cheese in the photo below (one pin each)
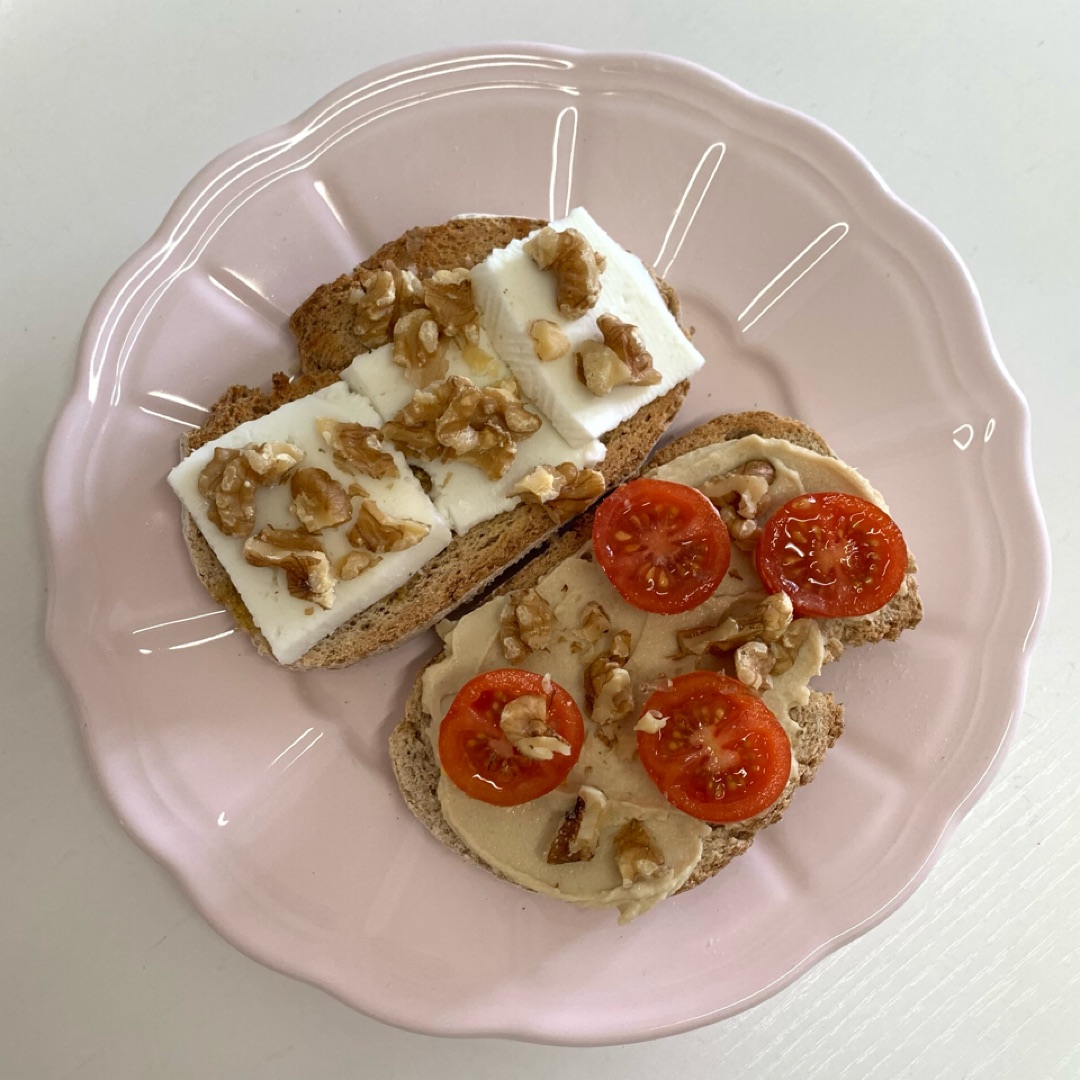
(550, 342)
(308, 575)
(621, 358)
(575, 264)
(376, 530)
(357, 449)
(457, 420)
(524, 722)
(355, 562)
(563, 490)
(230, 478)
(319, 501)
(579, 832)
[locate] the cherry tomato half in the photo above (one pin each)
(722, 756)
(478, 757)
(662, 545)
(835, 555)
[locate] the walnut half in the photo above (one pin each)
(575, 264)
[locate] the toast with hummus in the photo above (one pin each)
(607, 835)
(356, 353)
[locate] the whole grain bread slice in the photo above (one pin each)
(821, 720)
(323, 326)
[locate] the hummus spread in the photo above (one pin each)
(515, 840)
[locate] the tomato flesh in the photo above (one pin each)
(722, 756)
(663, 546)
(834, 554)
(477, 756)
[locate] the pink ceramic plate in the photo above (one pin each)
(813, 292)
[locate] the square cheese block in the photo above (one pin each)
(462, 493)
(292, 626)
(512, 292)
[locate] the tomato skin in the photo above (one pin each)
(477, 756)
(834, 554)
(662, 545)
(722, 756)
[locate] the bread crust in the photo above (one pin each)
(821, 720)
(323, 326)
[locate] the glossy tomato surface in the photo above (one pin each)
(662, 545)
(834, 554)
(721, 756)
(478, 757)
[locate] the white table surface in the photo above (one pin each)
(970, 111)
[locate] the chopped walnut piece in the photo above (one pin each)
(378, 531)
(742, 496)
(651, 722)
(599, 368)
(524, 722)
(636, 852)
(356, 562)
(579, 832)
(455, 419)
(753, 662)
(271, 461)
(745, 620)
(374, 298)
(319, 501)
(595, 622)
(624, 340)
(356, 448)
(381, 297)
(563, 490)
(290, 539)
(609, 696)
(550, 342)
(786, 648)
(419, 348)
(577, 273)
(308, 575)
(229, 480)
(448, 295)
(525, 624)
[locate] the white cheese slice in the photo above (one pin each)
(511, 292)
(462, 492)
(293, 626)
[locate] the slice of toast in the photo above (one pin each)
(821, 721)
(323, 326)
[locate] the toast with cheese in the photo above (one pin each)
(324, 326)
(819, 720)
